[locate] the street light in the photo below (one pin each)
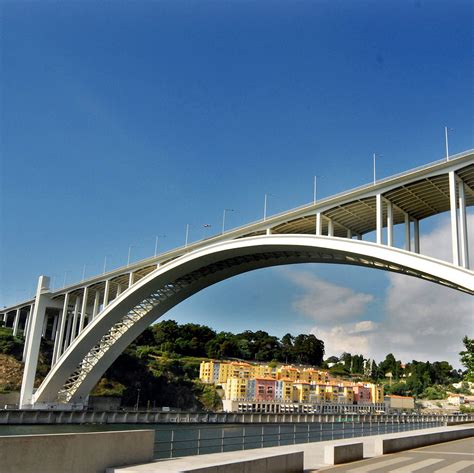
(83, 273)
(65, 275)
(187, 235)
(446, 129)
(315, 188)
(105, 263)
(223, 218)
(130, 253)
(156, 242)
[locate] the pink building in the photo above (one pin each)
(265, 389)
(362, 394)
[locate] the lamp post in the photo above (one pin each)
(446, 141)
(105, 264)
(156, 242)
(223, 218)
(130, 253)
(187, 235)
(65, 276)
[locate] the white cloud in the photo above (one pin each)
(324, 301)
(351, 337)
(426, 320)
(422, 320)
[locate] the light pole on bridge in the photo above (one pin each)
(223, 218)
(265, 206)
(157, 239)
(130, 253)
(187, 235)
(446, 141)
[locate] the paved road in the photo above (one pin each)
(448, 457)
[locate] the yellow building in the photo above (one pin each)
(284, 390)
(234, 369)
(262, 371)
(313, 376)
(376, 392)
(235, 389)
(288, 372)
(301, 391)
(348, 393)
(209, 371)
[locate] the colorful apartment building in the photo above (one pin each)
(245, 382)
(235, 389)
(261, 389)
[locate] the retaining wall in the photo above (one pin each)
(88, 452)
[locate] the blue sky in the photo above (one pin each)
(125, 120)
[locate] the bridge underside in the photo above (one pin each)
(107, 335)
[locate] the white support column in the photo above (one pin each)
(34, 340)
(59, 342)
(119, 288)
(106, 293)
(55, 328)
(269, 231)
(349, 234)
(77, 308)
(379, 218)
(318, 224)
(95, 310)
(83, 309)
(463, 226)
(330, 227)
(416, 235)
(407, 233)
(454, 217)
(45, 326)
(16, 322)
(68, 332)
(389, 223)
(27, 331)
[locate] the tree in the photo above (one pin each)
(309, 350)
(467, 358)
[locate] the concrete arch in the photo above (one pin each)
(102, 341)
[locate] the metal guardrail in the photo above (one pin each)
(203, 440)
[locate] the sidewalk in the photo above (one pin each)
(313, 453)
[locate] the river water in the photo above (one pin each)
(173, 440)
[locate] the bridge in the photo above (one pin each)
(93, 321)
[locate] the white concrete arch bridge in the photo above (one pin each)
(93, 321)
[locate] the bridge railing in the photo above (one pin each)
(177, 442)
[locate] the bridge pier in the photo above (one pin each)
(454, 217)
(33, 342)
(463, 226)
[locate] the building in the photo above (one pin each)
(261, 389)
(235, 389)
(399, 402)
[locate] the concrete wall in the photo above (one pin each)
(231, 462)
(343, 453)
(90, 452)
(398, 444)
